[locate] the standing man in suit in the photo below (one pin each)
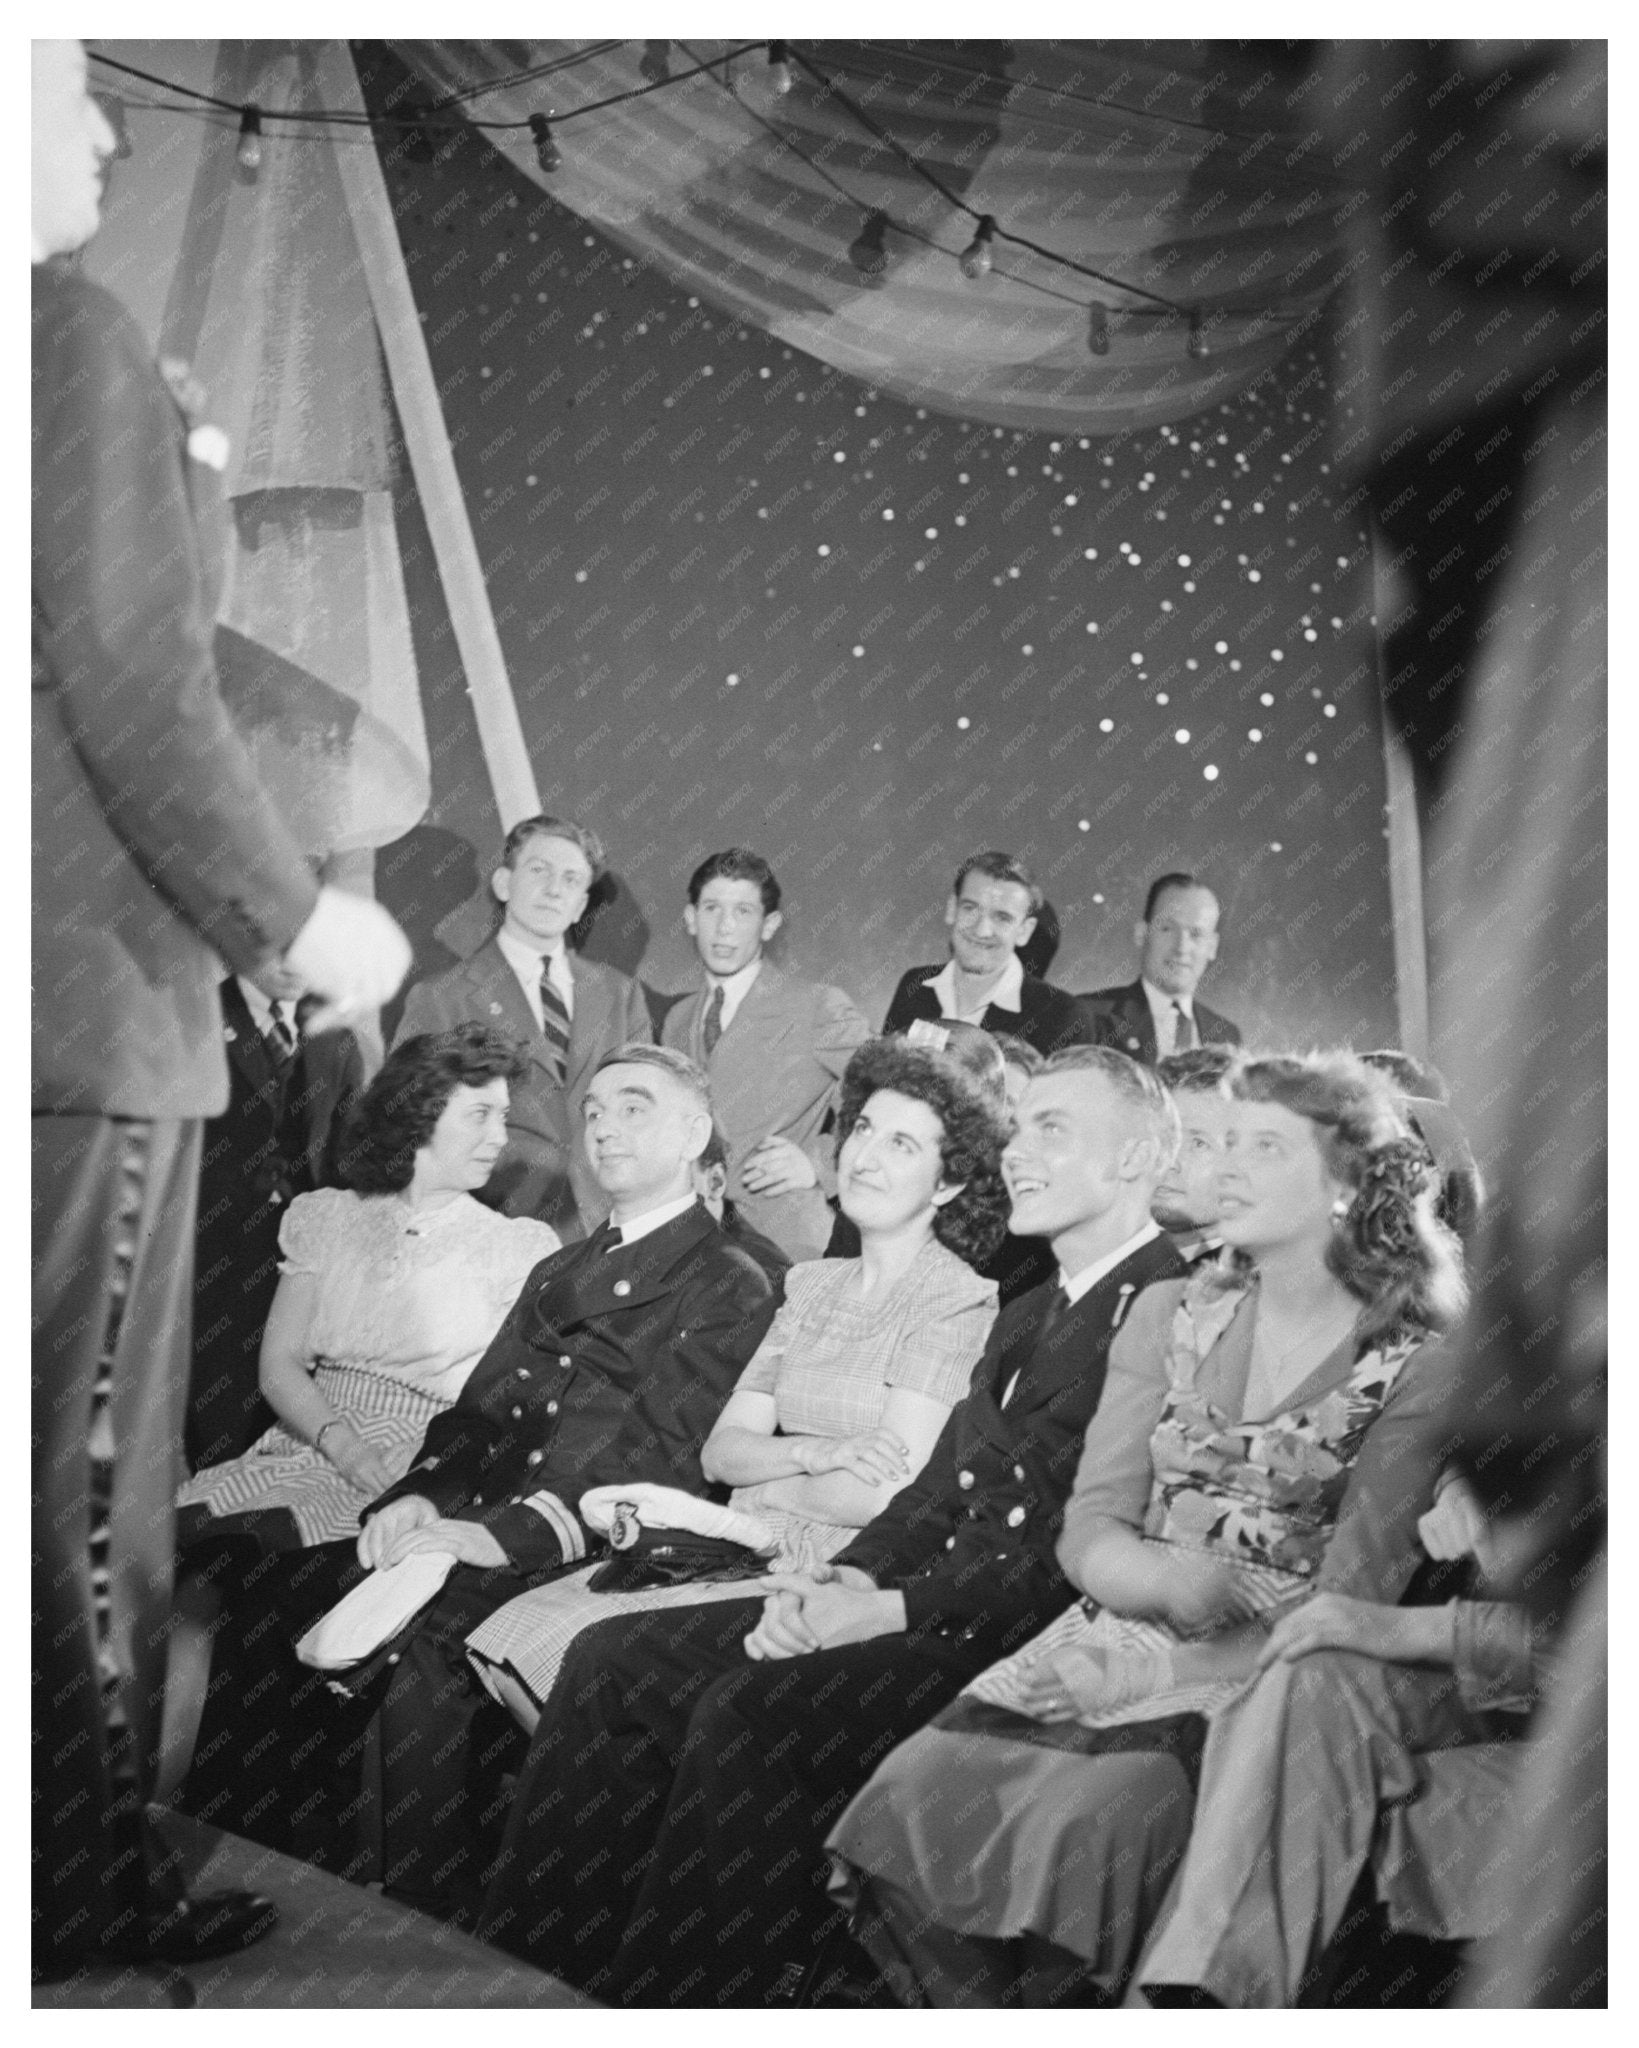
(565, 1011)
(773, 1048)
(991, 914)
(289, 1095)
(1157, 1015)
(155, 849)
(613, 1365)
(693, 1734)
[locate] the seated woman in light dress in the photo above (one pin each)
(849, 1390)
(1269, 1425)
(390, 1291)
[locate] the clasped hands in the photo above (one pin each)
(406, 1527)
(778, 1167)
(821, 1609)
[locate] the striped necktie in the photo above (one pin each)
(554, 1023)
(713, 1028)
(278, 1037)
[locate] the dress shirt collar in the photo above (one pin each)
(734, 987)
(526, 961)
(1161, 1003)
(652, 1219)
(261, 1008)
(1003, 994)
(1075, 1285)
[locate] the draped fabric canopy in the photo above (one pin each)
(1184, 171)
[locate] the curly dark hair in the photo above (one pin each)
(395, 1115)
(1389, 1248)
(972, 1134)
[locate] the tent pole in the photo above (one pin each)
(409, 370)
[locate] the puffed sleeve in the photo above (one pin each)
(762, 1373)
(945, 1331)
(313, 1227)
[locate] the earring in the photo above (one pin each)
(1341, 1208)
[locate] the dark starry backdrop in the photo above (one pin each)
(744, 598)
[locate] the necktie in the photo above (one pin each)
(1183, 1029)
(1051, 1316)
(554, 1023)
(280, 1039)
(713, 1028)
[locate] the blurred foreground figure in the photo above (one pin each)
(1481, 326)
(153, 845)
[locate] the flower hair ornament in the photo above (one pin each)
(1383, 1210)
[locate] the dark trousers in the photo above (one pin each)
(678, 1795)
(113, 1222)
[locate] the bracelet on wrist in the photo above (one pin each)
(335, 1422)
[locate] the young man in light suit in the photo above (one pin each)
(566, 1012)
(774, 1048)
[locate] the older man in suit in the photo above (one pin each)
(612, 1366)
(566, 1012)
(991, 914)
(290, 1093)
(156, 849)
(773, 1046)
(1157, 1015)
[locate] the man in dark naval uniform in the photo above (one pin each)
(688, 1762)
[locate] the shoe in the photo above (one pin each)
(196, 1929)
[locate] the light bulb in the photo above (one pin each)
(547, 154)
(976, 258)
(249, 152)
(868, 251)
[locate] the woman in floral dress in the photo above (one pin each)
(1268, 1428)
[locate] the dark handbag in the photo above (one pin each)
(675, 1557)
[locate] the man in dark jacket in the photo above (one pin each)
(1157, 1015)
(991, 914)
(613, 1364)
(688, 1762)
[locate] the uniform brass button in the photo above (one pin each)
(950, 1542)
(523, 1374)
(964, 1480)
(1015, 1517)
(1018, 1471)
(565, 1359)
(478, 1500)
(517, 1415)
(623, 1288)
(534, 1457)
(551, 1407)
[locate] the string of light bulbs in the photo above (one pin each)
(868, 251)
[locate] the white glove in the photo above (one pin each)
(351, 951)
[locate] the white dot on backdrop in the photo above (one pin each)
(887, 511)
(531, 479)
(1189, 586)
(1183, 561)
(1329, 710)
(1106, 725)
(731, 681)
(961, 476)
(1220, 646)
(1210, 772)
(765, 371)
(961, 519)
(1276, 654)
(1084, 825)
(1192, 662)
(1161, 697)
(1234, 668)
(1098, 896)
(823, 548)
(1166, 604)
(1312, 759)
(1092, 625)
(1137, 660)
(839, 456)
(930, 533)
(962, 724)
(1089, 554)
(580, 575)
(1256, 733)
(1182, 735)
(858, 652)
(1265, 698)
(1028, 649)
(1274, 846)
(1254, 575)
(1013, 572)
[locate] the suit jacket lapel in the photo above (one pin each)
(589, 1037)
(501, 993)
(248, 1049)
(605, 1282)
